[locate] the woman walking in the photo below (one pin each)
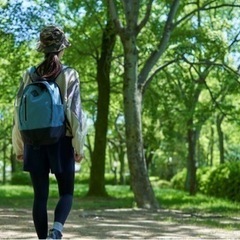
(58, 158)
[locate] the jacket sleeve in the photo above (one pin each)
(75, 116)
(16, 136)
(17, 140)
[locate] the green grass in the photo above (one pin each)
(122, 196)
(198, 210)
(175, 199)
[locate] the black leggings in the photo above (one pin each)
(41, 190)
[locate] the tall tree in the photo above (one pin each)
(94, 43)
(134, 82)
(97, 183)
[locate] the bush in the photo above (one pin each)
(178, 181)
(163, 184)
(223, 181)
(219, 181)
(203, 174)
(20, 178)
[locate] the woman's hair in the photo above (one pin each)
(51, 66)
(52, 42)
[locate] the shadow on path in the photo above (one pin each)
(111, 224)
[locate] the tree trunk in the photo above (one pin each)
(211, 147)
(133, 81)
(191, 161)
(140, 183)
(13, 161)
(4, 162)
(97, 182)
(220, 137)
(122, 167)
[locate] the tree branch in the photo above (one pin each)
(225, 66)
(220, 6)
(191, 13)
(214, 99)
(153, 58)
(149, 80)
(234, 40)
(146, 17)
(131, 12)
(205, 7)
(114, 16)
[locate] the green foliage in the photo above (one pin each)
(199, 43)
(203, 174)
(223, 181)
(81, 178)
(14, 192)
(21, 178)
(161, 184)
(24, 18)
(178, 181)
(220, 181)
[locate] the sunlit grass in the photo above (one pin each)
(198, 210)
(13, 191)
(174, 199)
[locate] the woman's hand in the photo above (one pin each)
(78, 157)
(20, 158)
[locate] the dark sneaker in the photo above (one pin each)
(54, 234)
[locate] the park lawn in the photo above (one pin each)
(200, 209)
(122, 197)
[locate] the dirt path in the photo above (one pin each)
(113, 224)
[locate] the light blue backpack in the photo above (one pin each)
(41, 113)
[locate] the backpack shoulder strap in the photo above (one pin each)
(31, 71)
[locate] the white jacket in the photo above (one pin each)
(68, 82)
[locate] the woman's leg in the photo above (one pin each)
(41, 188)
(66, 188)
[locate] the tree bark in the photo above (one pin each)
(220, 137)
(211, 146)
(4, 149)
(97, 182)
(191, 184)
(140, 183)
